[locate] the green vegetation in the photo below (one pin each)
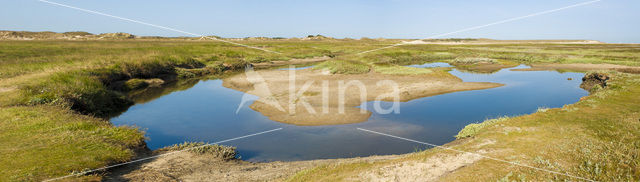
(400, 70)
(344, 67)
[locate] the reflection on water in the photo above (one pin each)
(206, 112)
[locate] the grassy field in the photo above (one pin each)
(55, 95)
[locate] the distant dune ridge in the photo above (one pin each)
(79, 35)
(24, 35)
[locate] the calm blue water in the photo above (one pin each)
(206, 112)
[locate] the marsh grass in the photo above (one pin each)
(78, 91)
(40, 142)
(400, 70)
(407, 57)
(343, 67)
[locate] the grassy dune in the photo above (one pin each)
(54, 94)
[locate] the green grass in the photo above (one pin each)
(400, 70)
(344, 67)
(40, 142)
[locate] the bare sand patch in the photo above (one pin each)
(429, 169)
(309, 107)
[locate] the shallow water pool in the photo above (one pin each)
(207, 112)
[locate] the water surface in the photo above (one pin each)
(207, 112)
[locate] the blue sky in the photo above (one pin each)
(614, 21)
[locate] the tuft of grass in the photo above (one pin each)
(344, 67)
(218, 151)
(474, 128)
(135, 84)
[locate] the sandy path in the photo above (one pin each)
(429, 169)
